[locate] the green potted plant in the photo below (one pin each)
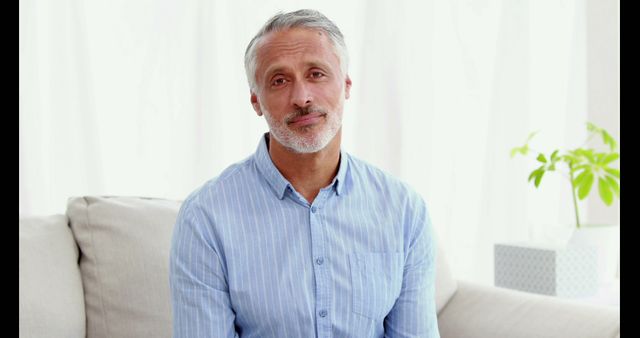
(584, 168)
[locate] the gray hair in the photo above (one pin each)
(304, 18)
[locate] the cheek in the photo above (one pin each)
(337, 96)
(274, 102)
(330, 94)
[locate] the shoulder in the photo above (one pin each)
(214, 191)
(389, 191)
(374, 178)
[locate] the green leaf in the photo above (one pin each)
(612, 171)
(610, 158)
(606, 137)
(585, 185)
(552, 167)
(578, 180)
(539, 177)
(605, 191)
(522, 150)
(535, 173)
(588, 154)
(541, 158)
(614, 185)
(571, 160)
(554, 156)
(608, 140)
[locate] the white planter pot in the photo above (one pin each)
(606, 240)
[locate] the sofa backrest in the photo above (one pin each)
(124, 263)
(51, 299)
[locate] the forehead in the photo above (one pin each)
(287, 47)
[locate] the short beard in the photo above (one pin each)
(298, 143)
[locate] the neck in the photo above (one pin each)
(308, 173)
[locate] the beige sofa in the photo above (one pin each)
(101, 270)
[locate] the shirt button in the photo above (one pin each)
(319, 261)
(314, 209)
(323, 313)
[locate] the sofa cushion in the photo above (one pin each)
(481, 311)
(51, 300)
(125, 244)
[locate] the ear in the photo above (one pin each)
(256, 104)
(347, 87)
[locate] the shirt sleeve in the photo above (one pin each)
(199, 292)
(414, 313)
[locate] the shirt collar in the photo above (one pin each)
(279, 183)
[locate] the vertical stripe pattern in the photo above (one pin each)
(250, 257)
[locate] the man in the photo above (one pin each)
(302, 239)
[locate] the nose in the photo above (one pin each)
(301, 95)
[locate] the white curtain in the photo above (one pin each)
(149, 98)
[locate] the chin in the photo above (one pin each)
(307, 145)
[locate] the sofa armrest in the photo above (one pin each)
(484, 311)
(51, 293)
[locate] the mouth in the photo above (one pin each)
(306, 120)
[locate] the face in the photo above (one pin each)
(301, 89)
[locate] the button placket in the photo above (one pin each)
(323, 280)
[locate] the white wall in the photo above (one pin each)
(603, 69)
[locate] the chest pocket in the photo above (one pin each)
(376, 279)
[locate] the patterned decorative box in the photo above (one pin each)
(569, 272)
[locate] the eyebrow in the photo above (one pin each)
(282, 68)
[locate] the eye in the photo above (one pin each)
(317, 74)
(279, 81)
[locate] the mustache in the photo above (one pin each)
(305, 111)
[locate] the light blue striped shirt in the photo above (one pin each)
(250, 257)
